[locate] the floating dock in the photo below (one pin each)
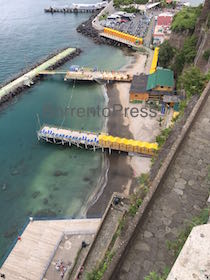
(94, 141)
(70, 10)
(90, 75)
(27, 79)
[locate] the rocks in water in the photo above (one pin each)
(14, 172)
(58, 173)
(45, 213)
(36, 194)
(45, 201)
(86, 179)
(4, 187)
(12, 232)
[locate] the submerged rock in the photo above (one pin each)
(35, 194)
(13, 231)
(14, 172)
(4, 187)
(86, 179)
(45, 201)
(45, 213)
(58, 173)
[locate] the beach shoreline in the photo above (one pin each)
(123, 169)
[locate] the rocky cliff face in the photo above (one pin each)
(202, 32)
(177, 39)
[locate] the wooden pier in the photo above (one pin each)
(94, 141)
(90, 75)
(69, 10)
(120, 40)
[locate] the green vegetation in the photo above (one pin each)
(137, 198)
(98, 272)
(154, 276)
(136, 203)
(143, 179)
(192, 81)
(206, 54)
(208, 21)
(185, 56)
(118, 3)
(186, 19)
(176, 246)
(161, 139)
(103, 17)
(130, 10)
(166, 54)
(169, 57)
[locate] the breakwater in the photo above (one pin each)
(88, 30)
(29, 76)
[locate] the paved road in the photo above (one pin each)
(182, 196)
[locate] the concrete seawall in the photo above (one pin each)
(29, 77)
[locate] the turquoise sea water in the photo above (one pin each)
(36, 178)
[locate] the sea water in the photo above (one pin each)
(39, 179)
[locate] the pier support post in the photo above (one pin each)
(102, 149)
(69, 143)
(54, 139)
(110, 151)
(94, 148)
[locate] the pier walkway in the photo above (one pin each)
(32, 258)
(71, 10)
(94, 141)
(90, 75)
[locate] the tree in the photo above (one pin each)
(166, 54)
(189, 49)
(186, 19)
(192, 81)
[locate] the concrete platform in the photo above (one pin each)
(194, 260)
(32, 255)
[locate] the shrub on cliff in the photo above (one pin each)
(206, 54)
(185, 56)
(192, 81)
(166, 54)
(186, 19)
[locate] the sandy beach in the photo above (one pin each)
(123, 169)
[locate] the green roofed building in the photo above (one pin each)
(161, 80)
(154, 86)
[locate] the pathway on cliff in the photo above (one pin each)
(182, 195)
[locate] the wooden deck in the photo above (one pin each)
(98, 76)
(31, 255)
